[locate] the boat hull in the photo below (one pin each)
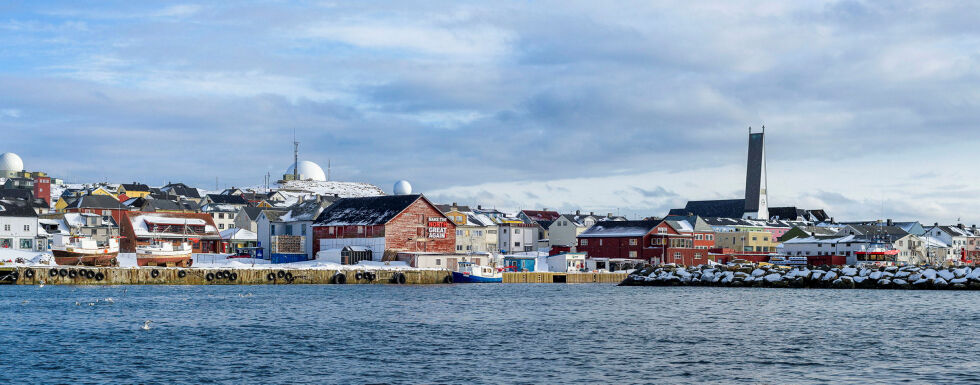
(179, 260)
(470, 278)
(70, 258)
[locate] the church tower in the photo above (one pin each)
(756, 201)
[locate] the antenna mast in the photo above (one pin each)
(295, 157)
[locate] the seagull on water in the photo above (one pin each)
(146, 325)
(109, 300)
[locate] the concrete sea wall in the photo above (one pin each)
(563, 277)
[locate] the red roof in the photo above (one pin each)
(539, 215)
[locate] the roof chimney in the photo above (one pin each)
(889, 222)
(592, 213)
(961, 226)
(936, 224)
(479, 207)
(578, 212)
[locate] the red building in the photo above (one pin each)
(382, 226)
(42, 188)
(682, 241)
(618, 240)
(140, 229)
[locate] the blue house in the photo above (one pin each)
(516, 263)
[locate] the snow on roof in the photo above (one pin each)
(620, 229)
(365, 211)
(173, 221)
(933, 242)
(239, 234)
(825, 240)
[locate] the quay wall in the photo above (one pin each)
(528, 277)
(77, 275)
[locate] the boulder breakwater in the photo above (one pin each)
(841, 277)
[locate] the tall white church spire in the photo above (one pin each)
(756, 201)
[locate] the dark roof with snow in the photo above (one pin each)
(541, 215)
(253, 212)
(727, 208)
(161, 204)
(367, 211)
(16, 193)
(181, 189)
(304, 211)
(226, 199)
(16, 208)
(448, 208)
(615, 229)
(95, 202)
(135, 187)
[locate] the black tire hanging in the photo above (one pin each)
(289, 277)
(448, 279)
(271, 276)
(219, 275)
(181, 274)
(359, 276)
(232, 276)
(72, 273)
(63, 272)
(52, 272)
(398, 278)
(338, 279)
(281, 274)
(99, 276)
(29, 273)
(89, 274)
(209, 277)
(155, 273)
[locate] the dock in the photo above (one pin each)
(528, 277)
(79, 275)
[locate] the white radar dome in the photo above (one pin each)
(308, 170)
(402, 187)
(11, 162)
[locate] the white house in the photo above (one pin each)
(18, 226)
(517, 237)
(566, 262)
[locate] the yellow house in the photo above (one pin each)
(134, 190)
(747, 241)
(61, 204)
(102, 191)
(264, 204)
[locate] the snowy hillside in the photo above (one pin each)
(342, 189)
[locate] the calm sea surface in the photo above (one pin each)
(501, 333)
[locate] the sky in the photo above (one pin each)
(633, 108)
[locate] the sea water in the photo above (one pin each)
(487, 333)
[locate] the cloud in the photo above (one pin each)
(637, 107)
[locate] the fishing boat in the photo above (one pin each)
(75, 250)
(469, 272)
(164, 253)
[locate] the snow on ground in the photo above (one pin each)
(10, 257)
(220, 261)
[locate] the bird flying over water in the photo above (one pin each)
(146, 325)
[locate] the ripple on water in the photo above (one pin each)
(486, 334)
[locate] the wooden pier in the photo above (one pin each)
(564, 277)
(79, 275)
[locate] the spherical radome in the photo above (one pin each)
(308, 170)
(11, 162)
(402, 187)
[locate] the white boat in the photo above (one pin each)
(163, 253)
(469, 272)
(79, 250)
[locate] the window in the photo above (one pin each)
(517, 231)
(459, 233)
(438, 261)
(27, 227)
(106, 212)
(6, 228)
(632, 254)
(459, 247)
(698, 237)
(330, 230)
(360, 229)
(661, 231)
(26, 244)
(632, 241)
(583, 242)
(221, 226)
(303, 229)
(6, 243)
(677, 255)
(272, 230)
(289, 229)
(517, 244)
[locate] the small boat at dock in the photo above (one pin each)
(164, 253)
(84, 251)
(469, 272)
